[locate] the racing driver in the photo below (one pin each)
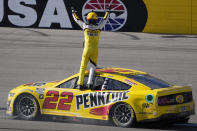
(90, 53)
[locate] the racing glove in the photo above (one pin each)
(73, 10)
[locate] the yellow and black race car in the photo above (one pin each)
(122, 96)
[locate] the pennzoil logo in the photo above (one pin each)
(179, 99)
(96, 99)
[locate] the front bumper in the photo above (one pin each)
(9, 111)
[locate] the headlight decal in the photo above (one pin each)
(40, 90)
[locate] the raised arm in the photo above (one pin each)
(104, 20)
(77, 19)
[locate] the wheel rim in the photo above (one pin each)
(123, 114)
(27, 106)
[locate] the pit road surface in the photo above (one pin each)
(31, 55)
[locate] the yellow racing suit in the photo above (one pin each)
(91, 35)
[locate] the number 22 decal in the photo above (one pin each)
(63, 102)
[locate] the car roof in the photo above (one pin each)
(119, 71)
(120, 74)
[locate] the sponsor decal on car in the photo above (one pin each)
(95, 99)
(101, 111)
(40, 90)
(130, 82)
(145, 105)
(60, 100)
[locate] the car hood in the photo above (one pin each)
(38, 84)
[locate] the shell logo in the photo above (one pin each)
(179, 99)
(118, 12)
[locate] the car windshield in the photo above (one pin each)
(150, 81)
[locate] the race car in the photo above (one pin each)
(121, 96)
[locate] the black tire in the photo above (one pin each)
(26, 107)
(184, 121)
(122, 115)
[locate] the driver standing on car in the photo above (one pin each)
(90, 53)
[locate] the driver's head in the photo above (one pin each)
(92, 18)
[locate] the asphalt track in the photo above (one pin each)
(29, 55)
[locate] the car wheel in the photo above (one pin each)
(26, 107)
(122, 115)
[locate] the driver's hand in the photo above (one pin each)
(73, 9)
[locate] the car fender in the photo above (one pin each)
(22, 92)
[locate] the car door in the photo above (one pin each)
(62, 100)
(96, 102)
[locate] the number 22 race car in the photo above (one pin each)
(121, 96)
